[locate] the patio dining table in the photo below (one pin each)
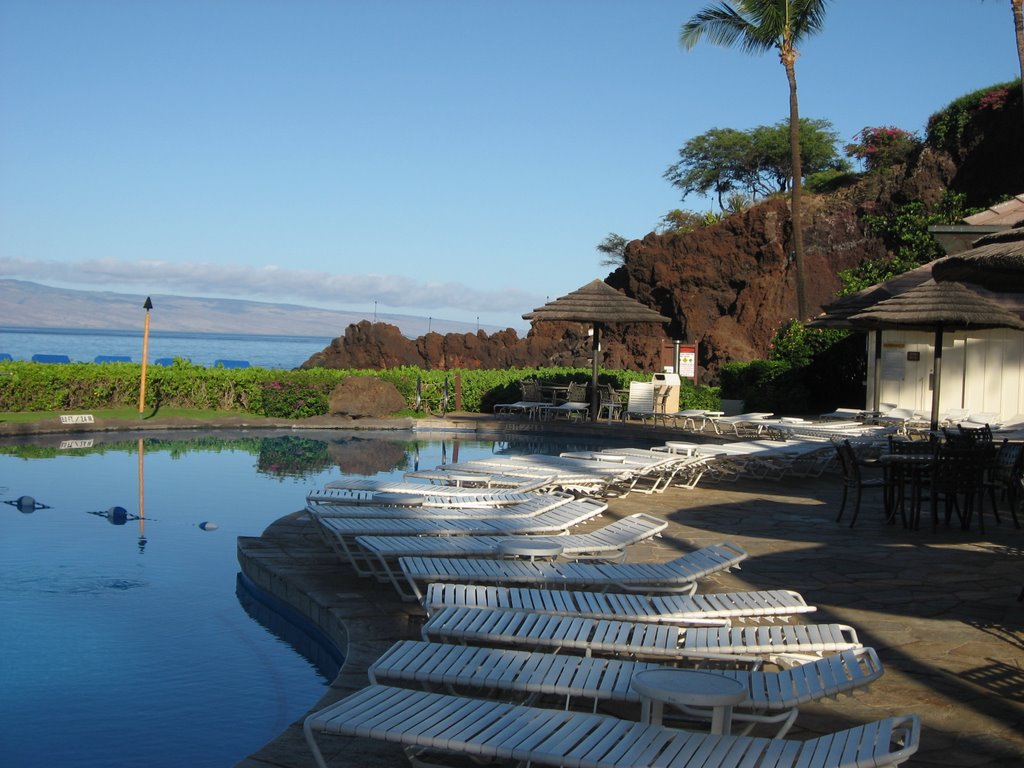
(901, 470)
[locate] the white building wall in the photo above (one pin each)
(982, 371)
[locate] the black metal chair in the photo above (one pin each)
(911, 477)
(958, 482)
(853, 477)
(1003, 478)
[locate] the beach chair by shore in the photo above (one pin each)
(490, 730)
(773, 697)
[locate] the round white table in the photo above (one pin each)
(689, 688)
(398, 499)
(524, 546)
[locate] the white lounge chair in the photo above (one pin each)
(340, 532)
(772, 696)
(679, 575)
(481, 729)
(538, 631)
(640, 404)
(533, 505)
(653, 471)
(607, 543)
(364, 491)
(531, 401)
(380, 554)
(592, 479)
(749, 421)
(574, 408)
(779, 604)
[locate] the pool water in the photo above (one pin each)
(127, 636)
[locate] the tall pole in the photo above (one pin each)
(145, 355)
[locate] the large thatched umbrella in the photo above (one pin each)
(599, 304)
(936, 306)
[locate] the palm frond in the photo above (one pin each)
(722, 25)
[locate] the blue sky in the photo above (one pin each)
(458, 159)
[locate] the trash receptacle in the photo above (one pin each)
(666, 392)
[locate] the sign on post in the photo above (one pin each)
(688, 362)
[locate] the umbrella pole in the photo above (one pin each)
(937, 377)
(877, 373)
(595, 348)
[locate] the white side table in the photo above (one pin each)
(467, 479)
(523, 546)
(689, 688)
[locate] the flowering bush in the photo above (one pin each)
(946, 128)
(883, 147)
(994, 99)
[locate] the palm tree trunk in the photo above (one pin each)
(1018, 26)
(794, 147)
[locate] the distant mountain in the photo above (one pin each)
(30, 305)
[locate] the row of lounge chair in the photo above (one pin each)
(532, 660)
(551, 654)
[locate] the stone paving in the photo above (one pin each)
(940, 607)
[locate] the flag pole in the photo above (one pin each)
(145, 355)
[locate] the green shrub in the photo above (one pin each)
(824, 182)
(275, 393)
(946, 128)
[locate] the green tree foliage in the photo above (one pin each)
(796, 344)
(758, 26)
(906, 235)
(755, 163)
(614, 249)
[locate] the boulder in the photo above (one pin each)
(361, 397)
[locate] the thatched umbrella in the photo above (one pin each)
(936, 306)
(599, 304)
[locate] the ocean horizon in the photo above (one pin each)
(85, 345)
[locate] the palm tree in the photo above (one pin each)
(1017, 6)
(758, 26)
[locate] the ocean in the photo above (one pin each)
(277, 352)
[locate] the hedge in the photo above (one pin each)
(27, 386)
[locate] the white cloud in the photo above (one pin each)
(273, 283)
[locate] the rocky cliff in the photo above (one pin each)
(730, 286)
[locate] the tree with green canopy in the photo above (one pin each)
(757, 26)
(757, 162)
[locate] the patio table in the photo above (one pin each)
(901, 469)
(524, 546)
(687, 688)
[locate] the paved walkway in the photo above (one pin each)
(939, 607)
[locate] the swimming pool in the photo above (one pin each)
(126, 637)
